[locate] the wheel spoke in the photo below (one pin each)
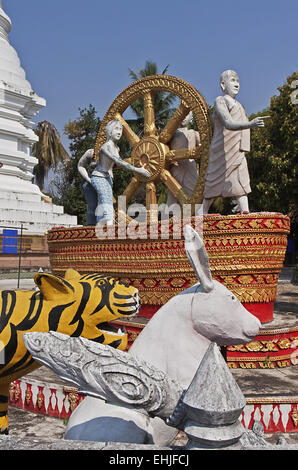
(173, 185)
(173, 123)
(183, 154)
(149, 118)
(130, 135)
(131, 188)
(150, 194)
(151, 202)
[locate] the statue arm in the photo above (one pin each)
(222, 111)
(83, 162)
(116, 158)
(118, 161)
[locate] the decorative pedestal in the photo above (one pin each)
(246, 254)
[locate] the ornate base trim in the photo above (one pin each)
(272, 348)
(277, 414)
(44, 398)
(262, 310)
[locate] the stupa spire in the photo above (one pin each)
(19, 104)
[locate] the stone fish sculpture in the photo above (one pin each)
(106, 373)
(174, 343)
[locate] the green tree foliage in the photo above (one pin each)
(162, 100)
(66, 187)
(273, 159)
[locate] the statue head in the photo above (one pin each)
(114, 129)
(229, 82)
(187, 119)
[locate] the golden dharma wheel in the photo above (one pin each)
(152, 150)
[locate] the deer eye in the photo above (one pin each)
(233, 297)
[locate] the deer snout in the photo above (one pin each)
(252, 328)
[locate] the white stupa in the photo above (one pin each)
(21, 201)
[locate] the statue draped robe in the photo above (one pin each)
(186, 172)
(227, 173)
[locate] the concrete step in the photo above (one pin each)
(34, 206)
(32, 216)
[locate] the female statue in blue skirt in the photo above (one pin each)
(101, 178)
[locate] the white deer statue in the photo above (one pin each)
(178, 335)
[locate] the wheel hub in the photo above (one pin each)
(151, 154)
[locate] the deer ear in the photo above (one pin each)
(71, 273)
(198, 258)
(52, 286)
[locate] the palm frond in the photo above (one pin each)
(49, 150)
(163, 101)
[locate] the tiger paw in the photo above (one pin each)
(3, 425)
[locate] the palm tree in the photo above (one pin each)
(48, 150)
(163, 101)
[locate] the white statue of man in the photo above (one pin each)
(185, 171)
(227, 173)
(102, 176)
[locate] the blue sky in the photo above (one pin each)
(78, 52)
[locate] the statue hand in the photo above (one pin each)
(257, 122)
(143, 172)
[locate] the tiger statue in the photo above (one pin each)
(76, 305)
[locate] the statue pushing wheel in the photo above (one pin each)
(151, 156)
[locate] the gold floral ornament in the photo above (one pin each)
(294, 416)
(152, 150)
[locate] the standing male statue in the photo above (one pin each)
(227, 173)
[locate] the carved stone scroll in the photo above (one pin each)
(105, 372)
